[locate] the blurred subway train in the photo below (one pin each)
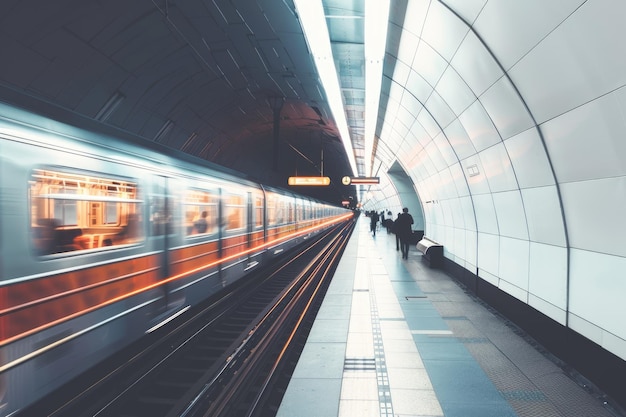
(102, 239)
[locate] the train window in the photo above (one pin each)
(306, 210)
(300, 210)
(234, 212)
(258, 211)
(73, 211)
(200, 208)
(281, 215)
(291, 212)
(271, 210)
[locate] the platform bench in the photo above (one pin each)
(432, 252)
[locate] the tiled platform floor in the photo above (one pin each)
(396, 338)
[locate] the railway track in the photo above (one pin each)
(232, 357)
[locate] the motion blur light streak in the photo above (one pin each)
(313, 21)
(376, 22)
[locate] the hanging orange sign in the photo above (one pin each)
(317, 181)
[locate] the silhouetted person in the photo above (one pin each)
(201, 224)
(394, 230)
(404, 231)
(388, 223)
(373, 221)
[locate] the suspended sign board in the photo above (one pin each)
(360, 180)
(316, 181)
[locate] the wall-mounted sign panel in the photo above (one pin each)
(360, 180)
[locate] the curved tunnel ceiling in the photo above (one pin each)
(197, 76)
(507, 117)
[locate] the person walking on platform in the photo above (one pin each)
(373, 222)
(404, 231)
(394, 230)
(388, 223)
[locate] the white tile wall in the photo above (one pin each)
(443, 31)
(543, 215)
(489, 253)
(447, 152)
(513, 268)
(505, 109)
(548, 274)
(475, 64)
(510, 213)
(578, 140)
(498, 169)
(479, 126)
(511, 29)
(459, 139)
(455, 91)
(597, 292)
(594, 211)
(578, 61)
(529, 159)
(510, 192)
(428, 64)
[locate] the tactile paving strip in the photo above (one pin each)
(359, 364)
(382, 377)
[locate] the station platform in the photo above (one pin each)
(396, 338)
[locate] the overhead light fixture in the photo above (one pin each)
(313, 22)
(376, 22)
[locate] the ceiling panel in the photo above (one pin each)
(476, 66)
(506, 109)
(497, 168)
(479, 127)
(486, 217)
(440, 111)
(460, 181)
(409, 108)
(568, 140)
(429, 64)
(416, 11)
(564, 71)
(446, 150)
(468, 10)
(512, 220)
(459, 140)
(514, 28)
(543, 213)
(436, 157)
(529, 159)
(419, 87)
(443, 31)
(453, 89)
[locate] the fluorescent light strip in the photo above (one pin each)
(313, 22)
(376, 21)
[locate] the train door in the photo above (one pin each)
(3, 295)
(162, 228)
(263, 214)
(250, 220)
